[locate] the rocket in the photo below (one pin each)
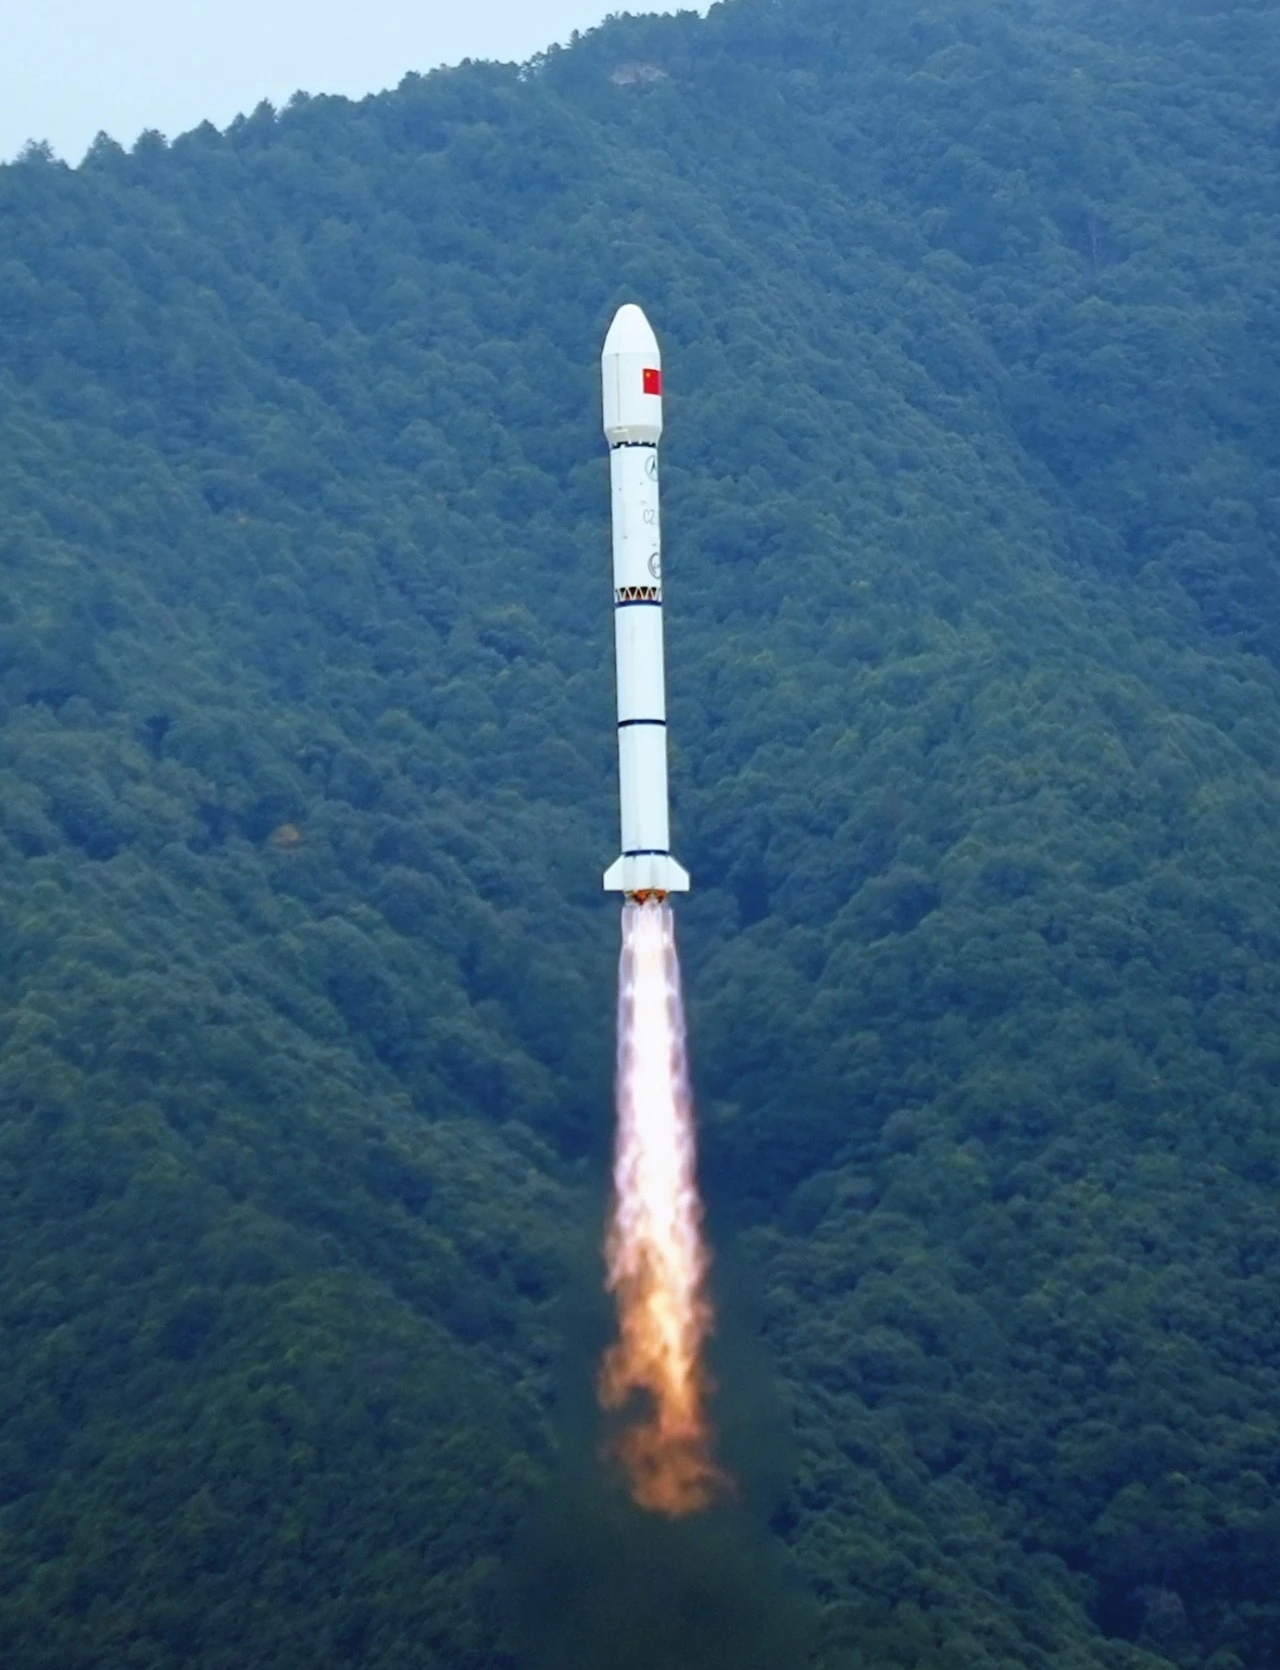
(631, 373)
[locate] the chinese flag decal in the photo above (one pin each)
(652, 381)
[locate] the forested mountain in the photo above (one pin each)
(971, 328)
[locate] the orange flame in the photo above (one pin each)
(657, 1263)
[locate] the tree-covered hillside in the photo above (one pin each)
(970, 323)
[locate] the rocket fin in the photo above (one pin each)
(646, 872)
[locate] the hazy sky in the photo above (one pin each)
(71, 67)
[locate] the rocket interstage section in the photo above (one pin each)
(631, 375)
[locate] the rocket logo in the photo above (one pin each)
(652, 381)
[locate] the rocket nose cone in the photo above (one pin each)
(631, 333)
(631, 381)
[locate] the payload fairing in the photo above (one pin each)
(631, 370)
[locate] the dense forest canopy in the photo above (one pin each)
(971, 330)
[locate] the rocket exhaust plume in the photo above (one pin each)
(657, 1263)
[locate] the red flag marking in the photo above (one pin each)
(652, 381)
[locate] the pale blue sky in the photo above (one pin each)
(71, 67)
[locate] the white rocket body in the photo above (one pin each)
(631, 370)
